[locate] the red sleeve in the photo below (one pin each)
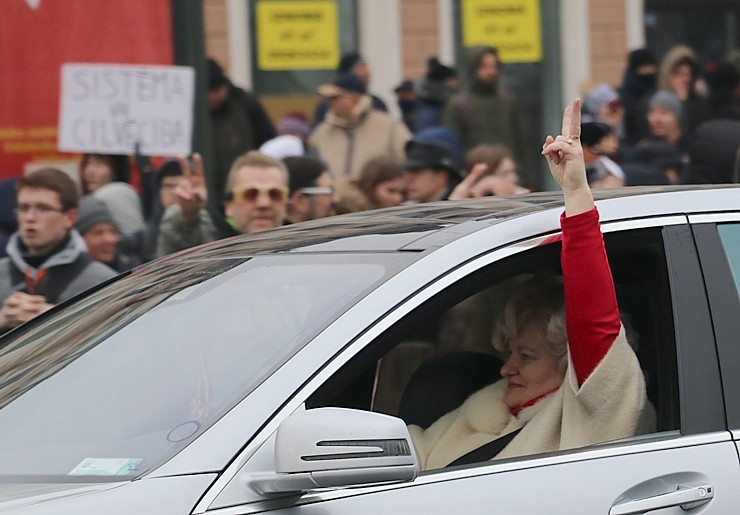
(591, 312)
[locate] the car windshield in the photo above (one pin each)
(114, 384)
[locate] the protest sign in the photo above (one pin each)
(38, 37)
(111, 108)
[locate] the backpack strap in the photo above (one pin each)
(486, 451)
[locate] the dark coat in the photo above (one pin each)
(239, 125)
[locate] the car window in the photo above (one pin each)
(730, 236)
(120, 381)
(441, 353)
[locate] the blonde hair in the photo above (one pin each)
(254, 159)
(539, 301)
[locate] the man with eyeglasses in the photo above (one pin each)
(312, 193)
(255, 200)
(47, 259)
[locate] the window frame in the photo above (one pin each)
(724, 300)
(699, 394)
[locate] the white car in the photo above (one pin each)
(277, 373)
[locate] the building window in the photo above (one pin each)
(296, 44)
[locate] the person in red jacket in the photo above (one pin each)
(570, 378)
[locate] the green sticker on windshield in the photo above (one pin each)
(106, 467)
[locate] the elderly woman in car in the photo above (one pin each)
(570, 378)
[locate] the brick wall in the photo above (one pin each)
(215, 27)
(607, 21)
(419, 35)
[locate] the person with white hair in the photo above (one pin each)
(570, 378)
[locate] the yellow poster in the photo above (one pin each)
(297, 35)
(512, 26)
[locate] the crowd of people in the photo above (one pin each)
(670, 121)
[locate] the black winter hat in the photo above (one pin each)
(640, 57)
(348, 61)
(422, 155)
(342, 84)
(438, 71)
(593, 132)
(216, 75)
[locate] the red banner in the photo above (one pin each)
(38, 36)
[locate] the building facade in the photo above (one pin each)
(553, 50)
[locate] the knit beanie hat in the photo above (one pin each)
(124, 204)
(640, 57)
(92, 212)
(294, 123)
(598, 97)
(667, 100)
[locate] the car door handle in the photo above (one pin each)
(685, 496)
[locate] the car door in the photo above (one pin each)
(670, 471)
(718, 242)
(691, 460)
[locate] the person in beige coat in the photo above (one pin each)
(353, 132)
(571, 379)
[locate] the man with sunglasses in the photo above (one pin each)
(255, 200)
(312, 192)
(47, 259)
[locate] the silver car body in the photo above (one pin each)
(424, 251)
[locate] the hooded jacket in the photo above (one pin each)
(696, 108)
(70, 266)
(347, 146)
(431, 98)
(481, 113)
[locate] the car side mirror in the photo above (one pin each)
(338, 447)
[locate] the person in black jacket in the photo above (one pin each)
(238, 121)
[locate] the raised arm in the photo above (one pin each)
(565, 158)
(592, 315)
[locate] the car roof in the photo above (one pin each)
(396, 229)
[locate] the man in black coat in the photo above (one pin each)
(239, 124)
